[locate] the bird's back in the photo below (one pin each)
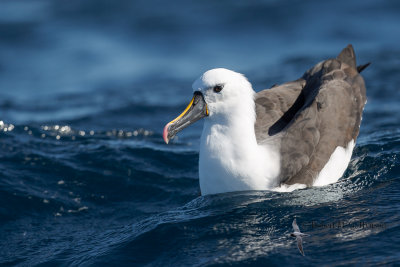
(312, 116)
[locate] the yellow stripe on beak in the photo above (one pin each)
(196, 110)
(184, 112)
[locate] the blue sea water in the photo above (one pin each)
(86, 179)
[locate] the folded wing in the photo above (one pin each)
(312, 116)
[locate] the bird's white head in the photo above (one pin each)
(219, 95)
(224, 91)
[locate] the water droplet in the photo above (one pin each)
(83, 208)
(65, 129)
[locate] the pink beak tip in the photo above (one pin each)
(165, 134)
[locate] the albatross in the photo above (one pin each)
(294, 135)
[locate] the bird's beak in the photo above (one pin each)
(196, 110)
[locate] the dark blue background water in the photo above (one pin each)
(87, 86)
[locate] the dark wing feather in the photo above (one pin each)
(271, 106)
(312, 115)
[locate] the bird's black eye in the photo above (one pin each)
(218, 88)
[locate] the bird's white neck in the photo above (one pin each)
(230, 158)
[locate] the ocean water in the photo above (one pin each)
(86, 179)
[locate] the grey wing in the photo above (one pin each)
(323, 111)
(300, 244)
(271, 107)
(295, 226)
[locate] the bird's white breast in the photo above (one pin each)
(231, 160)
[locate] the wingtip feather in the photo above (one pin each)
(348, 56)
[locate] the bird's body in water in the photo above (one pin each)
(297, 134)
